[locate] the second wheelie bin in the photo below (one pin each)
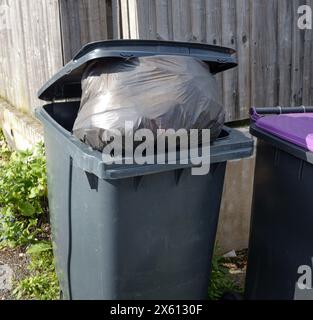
(281, 237)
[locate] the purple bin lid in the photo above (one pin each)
(296, 128)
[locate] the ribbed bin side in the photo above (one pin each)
(281, 226)
(59, 170)
(148, 239)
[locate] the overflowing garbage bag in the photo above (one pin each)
(154, 92)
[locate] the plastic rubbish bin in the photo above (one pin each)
(130, 231)
(281, 238)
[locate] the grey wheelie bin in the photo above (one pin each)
(130, 231)
(281, 237)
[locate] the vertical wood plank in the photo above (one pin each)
(198, 20)
(285, 21)
(10, 63)
(163, 12)
(107, 25)
(243, 13)
(2, 49)
(125, 19)
(96, 21)
(30, 18)
(297, 58)
(308, 65)
(264, 53)
(133, 19)
(116, 19)
(213, 16)
(181, 20)
(230, 77)
(146, 16)
(12, 77)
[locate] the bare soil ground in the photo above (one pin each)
(17, 261)
(237, 267)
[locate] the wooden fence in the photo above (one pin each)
(29, 50)
(274, 56)
(39, 37)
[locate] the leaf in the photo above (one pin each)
(27, 209)
(39, 247)
(33, 193)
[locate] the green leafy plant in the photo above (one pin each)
(220, 281)
(4, 149)
(23, 194)
(24, 219)
(42, 284)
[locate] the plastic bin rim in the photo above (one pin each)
(140, 42)
(236, 146)
(282, 144)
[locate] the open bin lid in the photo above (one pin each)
(66, 84)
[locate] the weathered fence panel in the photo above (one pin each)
(42, 35)
(30, 49)
(274, 55)
(82, 21)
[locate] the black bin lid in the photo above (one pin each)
(66, 84)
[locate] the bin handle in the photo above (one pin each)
(257, 113)
(254, 115)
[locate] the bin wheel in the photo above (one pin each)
(227, 296)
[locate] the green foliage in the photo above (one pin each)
(4, 149)
(42, 284)
(23, 218)
(220, 281)
(23, 194)
(38, 248)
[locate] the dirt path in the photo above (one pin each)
(13, 265)
(237, 267)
